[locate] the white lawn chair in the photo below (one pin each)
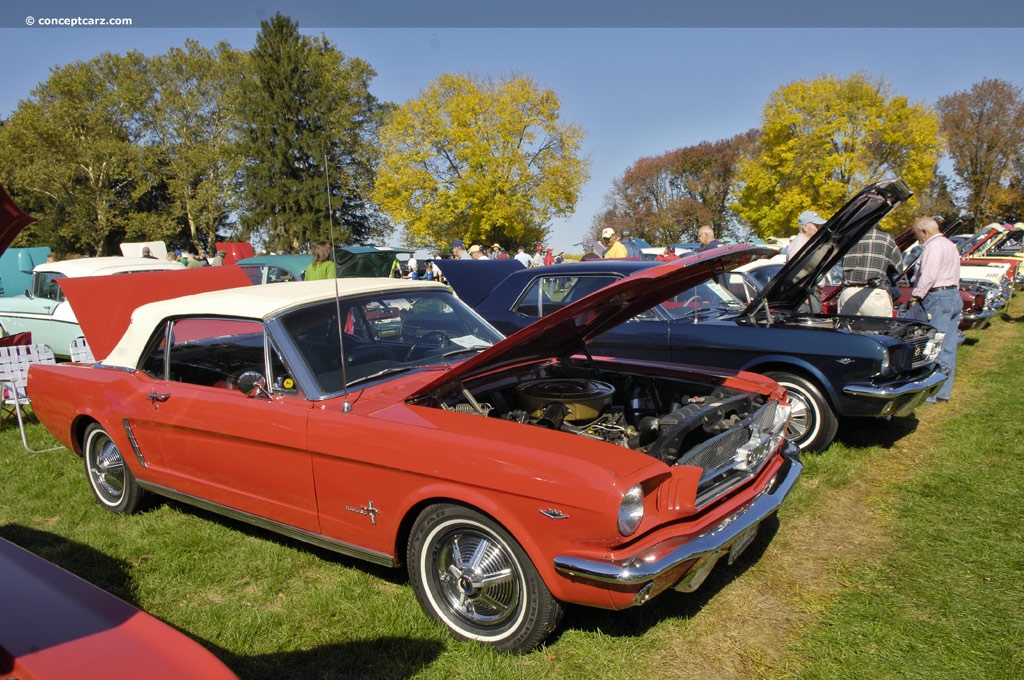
(80, 352)
(14, 363)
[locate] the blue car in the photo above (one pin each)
(833, 366)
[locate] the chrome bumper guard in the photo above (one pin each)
(685, 566)
(918, 390)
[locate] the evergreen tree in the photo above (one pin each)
(308, 122)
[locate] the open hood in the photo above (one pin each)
(375, 261)
(103, 305)
(12, 220)
(793, 284)
(473, 280)
(566, 331)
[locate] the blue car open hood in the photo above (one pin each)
(796, 280)
(567, 331)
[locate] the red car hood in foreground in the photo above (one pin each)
(55, 625)
(12, 220)
(567, 331)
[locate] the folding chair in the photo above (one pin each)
(14, 363)
(80, 352)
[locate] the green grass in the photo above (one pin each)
(935, 591)
(946, 600)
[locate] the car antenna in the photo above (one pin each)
(346, 406)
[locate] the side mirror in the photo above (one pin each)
(253, 384)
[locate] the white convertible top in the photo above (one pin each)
(248, 302)
(101, 266)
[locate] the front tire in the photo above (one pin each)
(470, 574)
(112, 482)
(812, 423)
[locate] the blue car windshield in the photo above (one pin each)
(707, 296)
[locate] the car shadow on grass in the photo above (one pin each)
(864, 432)
(389, 574)
(385, 657)
(670, 604)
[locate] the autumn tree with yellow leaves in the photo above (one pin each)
(482, 160)
(825, 139)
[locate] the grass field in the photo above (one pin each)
(900, 554)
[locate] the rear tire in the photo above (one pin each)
(472, 575)
(112, 482)
(812, 423)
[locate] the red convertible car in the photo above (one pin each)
(510, 475)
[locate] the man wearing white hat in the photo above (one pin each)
(807, 226)
(613, 246)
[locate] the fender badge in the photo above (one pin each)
(554, 514)
(367, 510)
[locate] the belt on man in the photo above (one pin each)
(942, 287)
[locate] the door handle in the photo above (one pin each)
(154, 397)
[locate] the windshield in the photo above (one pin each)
(384, 335)
(707, 296)
(969, 244)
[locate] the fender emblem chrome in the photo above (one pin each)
(367, 510)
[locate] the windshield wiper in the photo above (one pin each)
(465, 350)
(382, 373)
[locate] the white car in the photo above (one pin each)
(45, 312)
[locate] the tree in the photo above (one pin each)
(71, 151)
(984, 129)
(308, 122)
(666, 198)
(825, 139)
(191, 130)
(481, 160)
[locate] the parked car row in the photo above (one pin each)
(595, 433)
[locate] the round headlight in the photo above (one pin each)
(631, 510)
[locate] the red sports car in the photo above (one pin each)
(510, 475)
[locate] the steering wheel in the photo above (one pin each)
(437, 340)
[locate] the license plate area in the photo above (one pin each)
(742, 542)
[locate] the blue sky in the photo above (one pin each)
(635, 91)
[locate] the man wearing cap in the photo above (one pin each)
(497, 253)
(807, 226)
(632, 249)
(588, 252)
(549, 257)
(538, 257)
(613, 246)
(706, 236)
(868, 271)
(477, 253)
(459, 250)
(937, 290)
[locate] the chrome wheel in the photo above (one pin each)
(812, 423)
(112, 482)
(471, 575)
(476, 576)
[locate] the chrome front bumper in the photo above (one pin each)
(684, 564)
(902, 397)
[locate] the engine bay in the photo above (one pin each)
(662, 417)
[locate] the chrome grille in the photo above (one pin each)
(738, 454)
